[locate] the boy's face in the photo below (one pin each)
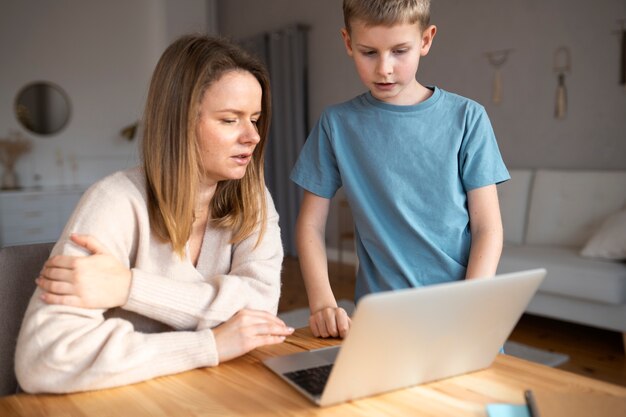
(387, 57)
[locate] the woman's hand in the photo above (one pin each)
(330, 322)
(247, 330)
(94, 281)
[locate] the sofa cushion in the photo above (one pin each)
(566, 207)
(513, 195)
(568, 273)
(609, 242)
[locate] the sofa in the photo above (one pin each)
(573, 223)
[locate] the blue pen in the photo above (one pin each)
(530, 402)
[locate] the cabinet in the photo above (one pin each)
(34, 216)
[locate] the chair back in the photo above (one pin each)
(19, 266)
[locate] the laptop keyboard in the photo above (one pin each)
(312, 380)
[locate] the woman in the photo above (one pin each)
(174, 265)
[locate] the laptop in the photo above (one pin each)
(412, 336)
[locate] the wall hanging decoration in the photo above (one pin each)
(562, 66)
(130, 131)
(497, 59)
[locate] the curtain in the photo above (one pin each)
(284, 52)
(622, 77)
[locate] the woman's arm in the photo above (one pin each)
(252, 282)
(486, 229)
(63, 349)
(67, 349)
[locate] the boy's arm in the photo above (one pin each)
(486, 228)
(326, 318)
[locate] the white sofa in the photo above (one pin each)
(549, 216)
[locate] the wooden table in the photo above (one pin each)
(244, 387)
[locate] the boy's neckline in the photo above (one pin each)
(429, 102)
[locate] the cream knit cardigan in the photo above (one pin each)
(165, 327)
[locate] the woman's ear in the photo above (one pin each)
(347, 41)
(427, 39)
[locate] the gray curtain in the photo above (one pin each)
(284, 52)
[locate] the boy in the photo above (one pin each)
(419, 167)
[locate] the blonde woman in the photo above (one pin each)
(176, 264)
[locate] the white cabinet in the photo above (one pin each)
(33, 216)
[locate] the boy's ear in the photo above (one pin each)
(347, 41)
(427, 39)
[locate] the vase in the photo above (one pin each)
(9, 178)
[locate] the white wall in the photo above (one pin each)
(592, 136)
(102, 53)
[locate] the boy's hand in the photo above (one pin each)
(330, 322)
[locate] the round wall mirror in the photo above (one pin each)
(42, 108)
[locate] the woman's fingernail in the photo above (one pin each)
(290, 329)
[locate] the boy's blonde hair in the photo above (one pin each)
(387, 12)
(171, 155)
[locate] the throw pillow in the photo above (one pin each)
(609, 242)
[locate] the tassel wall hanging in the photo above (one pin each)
(497, 59)
(562, 66)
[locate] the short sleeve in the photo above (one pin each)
(316, 169)
(480, 161)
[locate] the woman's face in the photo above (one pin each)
(226, 129)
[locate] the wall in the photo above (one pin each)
(593, 135)
(102, 54)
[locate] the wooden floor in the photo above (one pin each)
(593, 352)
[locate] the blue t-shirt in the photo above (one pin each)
(406, 171)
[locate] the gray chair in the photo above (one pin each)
(19, 266)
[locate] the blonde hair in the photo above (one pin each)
(171, 156)
(387, 12)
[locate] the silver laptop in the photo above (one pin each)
(408, 337)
